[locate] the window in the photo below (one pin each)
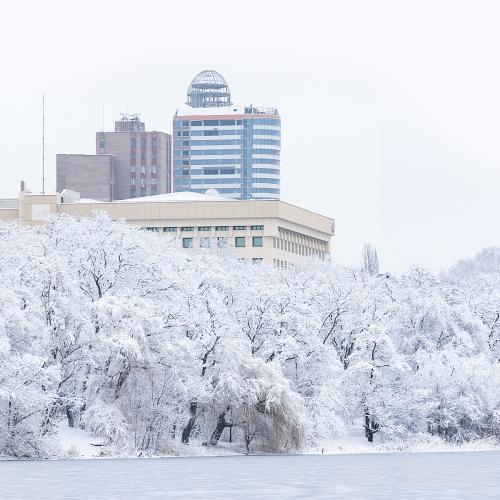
(170, 229)
(132, 181)
(153, 229)
(257, 260)
(153, 169)
(222, 228)
(210, 132)
(185, 162)
(143, 169)
(239, 241)
(187, 228)
(187, 242)
(185, 152)
(227, 122)
(239, 228)
(211, 122)
(222, 241)
(205, 228)
(204, 242)
(257, 228)
(185, 124)
(185, 143)
(195, 123)
(227, 171)
(257, 241)
(132, 168)
(154, 181)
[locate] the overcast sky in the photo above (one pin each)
(390, 110)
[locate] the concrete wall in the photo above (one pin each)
(93, 176)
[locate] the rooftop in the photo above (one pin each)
(208, 89)
(225, 110)
(167, 197)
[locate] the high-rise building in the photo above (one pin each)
(219, 145)
(143, 159)
(93, 176)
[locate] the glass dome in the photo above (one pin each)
(208, 89)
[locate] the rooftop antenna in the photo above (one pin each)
(43, 143)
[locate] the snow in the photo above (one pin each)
(87, 200)
(184, 196)
(176, 197)
(77, 443)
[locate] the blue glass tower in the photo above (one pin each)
(219, 145)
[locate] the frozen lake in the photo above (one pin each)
(362, 476)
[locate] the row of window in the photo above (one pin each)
(216, 152)
(143, 169)
(173, 229)
(297, 248)
(143, 181)
(226, 161)
(222, 241)
(236, 180)
(281, 264)
(224, 142)
(215, 133)
(232, 190)
(206, 123)
(224, 171)
(218, 228)
(224, 123)
(231, 180)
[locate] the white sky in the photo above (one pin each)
(390, 109)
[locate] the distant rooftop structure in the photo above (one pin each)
(130, 123)
(233, 109)
(208, 89)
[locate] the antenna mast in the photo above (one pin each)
(43, 143)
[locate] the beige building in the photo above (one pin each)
(271, 231)
(93, 176)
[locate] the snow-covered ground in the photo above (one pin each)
(77, 443)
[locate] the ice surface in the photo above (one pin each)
(361, 476)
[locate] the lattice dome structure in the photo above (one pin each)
(208, 89)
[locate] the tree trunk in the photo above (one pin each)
(186, 432)
(221, 425)
(69, 414)
(371, 427)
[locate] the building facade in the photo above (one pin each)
(269, 231)
(93, 176)
(219, 145)
(143, 159)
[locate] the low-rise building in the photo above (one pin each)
(270, 231)
(93, 176)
